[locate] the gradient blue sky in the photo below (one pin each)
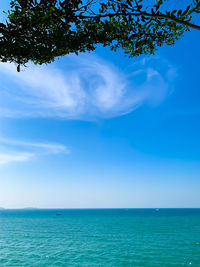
(102, 131)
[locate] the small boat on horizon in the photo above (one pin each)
(58, 214)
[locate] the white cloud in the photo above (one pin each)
(14, 150)
(14, 157)
(84, 88)
(47, 147)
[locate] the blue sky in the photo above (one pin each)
(101, 130)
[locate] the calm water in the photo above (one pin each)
(134, 237)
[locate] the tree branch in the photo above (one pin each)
(176, 20)
(138, 14)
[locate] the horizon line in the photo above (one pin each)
(156, 208)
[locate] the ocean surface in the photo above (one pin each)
(112, 237)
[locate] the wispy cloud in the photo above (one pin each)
(14, 150)
(14, 157)
(85, 87)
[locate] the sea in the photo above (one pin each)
(100, 237)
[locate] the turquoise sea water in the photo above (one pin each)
(116, 237)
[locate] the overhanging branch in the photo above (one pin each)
(139, 14)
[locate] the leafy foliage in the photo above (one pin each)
(41, 30)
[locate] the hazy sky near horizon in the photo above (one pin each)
(101, 130)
